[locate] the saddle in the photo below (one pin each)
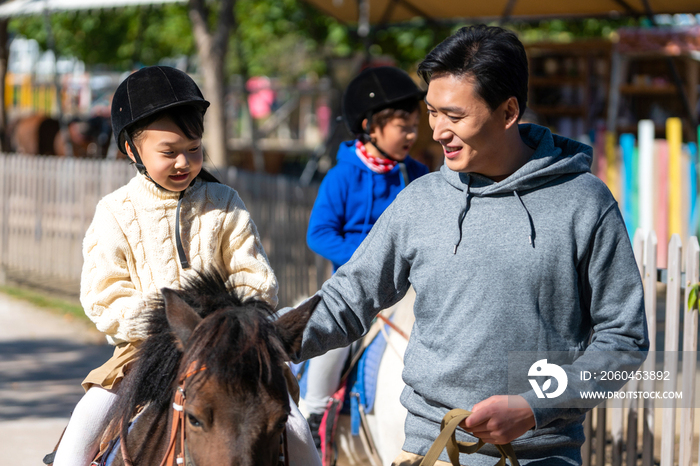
(356, 393)
(105, 456)
(359, 375)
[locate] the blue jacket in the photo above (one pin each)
(349, 202)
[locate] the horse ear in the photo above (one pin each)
(181, 317)
(290, 327)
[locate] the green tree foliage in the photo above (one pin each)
(559, 30)
(283, 38)
(409, 43)
(289, 38)
(120, 38)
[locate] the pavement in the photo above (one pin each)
(43, 359)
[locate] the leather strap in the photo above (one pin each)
(447, 439)
(178, 421)
(125, 453)
(393, 326)
(171, 457)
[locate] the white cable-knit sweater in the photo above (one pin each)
(130, 252)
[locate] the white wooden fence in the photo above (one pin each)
(47, 204)
(646, 431)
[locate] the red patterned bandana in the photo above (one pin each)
(376, 164)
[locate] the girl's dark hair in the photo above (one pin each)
(401, 109)
(492, 57)
(188, 118)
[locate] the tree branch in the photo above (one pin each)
(199, 15)
(224, 24)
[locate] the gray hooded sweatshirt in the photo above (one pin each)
(538, 262)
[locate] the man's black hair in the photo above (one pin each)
(492, 57)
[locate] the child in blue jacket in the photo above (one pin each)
(381, 107)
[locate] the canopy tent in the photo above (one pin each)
(30, 7)
(395, 11)
(365, 13)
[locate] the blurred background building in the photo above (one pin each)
(622, 76)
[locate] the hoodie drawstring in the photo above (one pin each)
(529, 218)
(462, 215)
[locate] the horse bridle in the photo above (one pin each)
(178, 424)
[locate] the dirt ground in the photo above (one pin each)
(43, 359)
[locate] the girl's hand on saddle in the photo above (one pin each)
(500, 419)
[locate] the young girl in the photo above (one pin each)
(380, 107)
(171, 220)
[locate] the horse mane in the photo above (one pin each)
(235, 342)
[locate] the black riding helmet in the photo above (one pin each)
(373, 90)
(147, 92)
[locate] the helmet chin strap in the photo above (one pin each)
(137, 159)
(367, 138)
(384, 154)
(142, 169)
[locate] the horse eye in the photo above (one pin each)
(194, 422)
(283, 422)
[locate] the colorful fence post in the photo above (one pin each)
(674, 130)
(693, 188)
(628, 182)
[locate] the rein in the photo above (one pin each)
(178, 423)
(179, 419)
(447, 440)
(393, 326)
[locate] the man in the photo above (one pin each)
(514, 248)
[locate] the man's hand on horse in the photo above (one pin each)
(500, 419)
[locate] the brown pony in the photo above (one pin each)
(221, 362)
(34, 135)
(41, 135)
